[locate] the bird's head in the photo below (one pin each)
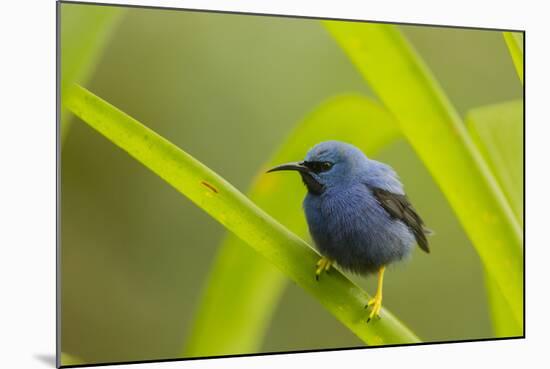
(328, 164)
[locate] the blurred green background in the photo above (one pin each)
(228, 89)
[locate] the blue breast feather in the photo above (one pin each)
(349, 226)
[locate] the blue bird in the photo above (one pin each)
(357, 212)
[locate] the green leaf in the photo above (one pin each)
(515, 46)
(210, 192)
(435, 131)
(497, 131)
(84, 32)
(243, 282)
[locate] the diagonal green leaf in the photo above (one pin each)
(84, 32)
(434, 129)
(290, 254)
(243, 282)
(497, 131)
(515, 46)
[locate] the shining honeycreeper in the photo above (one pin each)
(357, 212)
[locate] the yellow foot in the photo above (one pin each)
(375, 304)
(323, 265)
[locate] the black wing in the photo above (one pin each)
(399, 207)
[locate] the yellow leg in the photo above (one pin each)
(376, 301)
(323, 265)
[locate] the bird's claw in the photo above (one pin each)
(323, 265)
(370, 318)
(376, 304)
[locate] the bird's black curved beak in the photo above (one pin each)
(312, 184)
(300, 167)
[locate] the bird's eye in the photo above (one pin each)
(326, 165)
(318, 166)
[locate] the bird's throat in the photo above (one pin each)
(313, 186)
